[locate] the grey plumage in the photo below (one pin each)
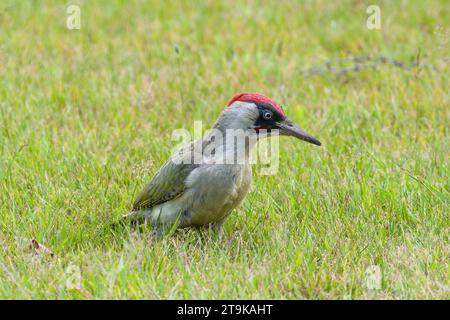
(191, 195)
(184, 193)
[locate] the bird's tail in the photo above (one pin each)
(133, 218)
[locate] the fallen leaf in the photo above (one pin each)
(41, 250)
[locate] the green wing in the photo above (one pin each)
(167, 184)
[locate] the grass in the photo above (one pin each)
(86, 118)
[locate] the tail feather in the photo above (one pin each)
(134, 218)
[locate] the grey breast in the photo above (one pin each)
(217, 189)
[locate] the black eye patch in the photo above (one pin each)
(264, 109)
(268, 116)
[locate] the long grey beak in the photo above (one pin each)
(288, 128)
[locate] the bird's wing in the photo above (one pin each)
(167, 184)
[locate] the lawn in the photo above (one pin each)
(86, 119)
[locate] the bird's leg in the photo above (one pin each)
(162, 230)
(217, 227)
(159, 233)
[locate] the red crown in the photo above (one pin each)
(256, 98)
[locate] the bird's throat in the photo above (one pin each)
(230, 146)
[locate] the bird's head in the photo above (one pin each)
(253, 111)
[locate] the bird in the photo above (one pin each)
(187, 193)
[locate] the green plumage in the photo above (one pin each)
(167, 184)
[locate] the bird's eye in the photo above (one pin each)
(267, 115)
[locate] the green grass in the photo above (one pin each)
(86, 118)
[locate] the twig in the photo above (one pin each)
(363, 62)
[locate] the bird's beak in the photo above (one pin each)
(288, 128)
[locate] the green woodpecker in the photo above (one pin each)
(197, 186)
